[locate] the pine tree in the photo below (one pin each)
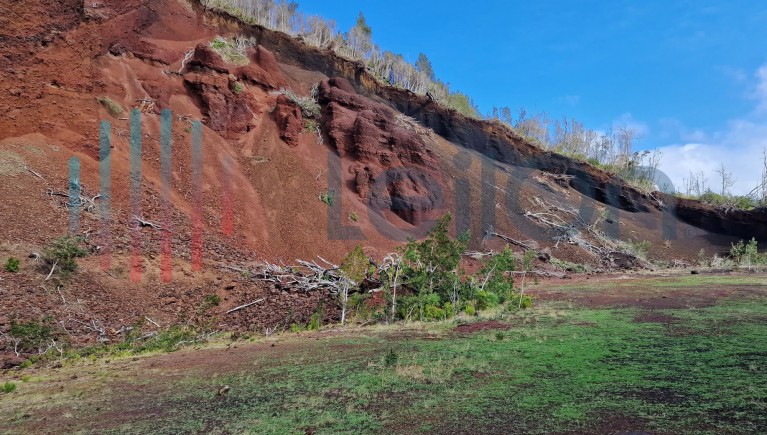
(423, 65)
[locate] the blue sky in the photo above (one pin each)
(684, 73)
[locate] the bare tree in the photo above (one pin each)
(533, 127)
(626, 139)
(727, 179)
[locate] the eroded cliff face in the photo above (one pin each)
(385, 163)
(56, 68)
(392, 165)
(495, 141)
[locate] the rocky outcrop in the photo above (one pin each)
(393, 168)
(263, 70)
(227, 112)
(288, 117)
(206, 59)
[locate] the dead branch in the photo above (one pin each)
(93, 326)
(88, 203)
(306, 276)
(35, 174)
(477, 255)
(146, 105)
(13, 340)
(538, 272)
(320, 140)
(58, 290)
(55, 263)
(150, 335)
(53, 345)
(143, 223)
(187, 56)
(328, 263)
(524, 245)
(245, 306)
(152, 321)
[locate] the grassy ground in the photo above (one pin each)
(561, 368)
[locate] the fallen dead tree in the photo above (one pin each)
(306, 276)
(571, 228)
(86, 202)
(243, 306)
(529, 245)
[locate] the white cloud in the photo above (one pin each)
(672, 128)
(739, 147)
(735, 74)
(626, 120)
(572, 100)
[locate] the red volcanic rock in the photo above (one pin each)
(205, 58)
(408, 192)
(288, 117)
(263, 71)
(393, 168)
(226, 111)
(266, 60)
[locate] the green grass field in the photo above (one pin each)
(561, 368)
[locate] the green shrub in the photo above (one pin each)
(232, 51)
(315, 322)
(64, 252)
(430, 312)
(485, 300)
(409, 307)
(568, 266)
(168, 340)
(463, 104)
(744, 202)
(449, 309)
(432, 265)
(390, 360)
(311, 126)
(9, 387)
(499, 336)
(113, 108)
(747, 253)
(469, 309)
(520, 302)
(309, 106)
(237, 88)
(218, 44)
(639, 249)
(359, 307)
(495, 272)
(12, 265)
(212, 300)
(328, 197)
(31, 335)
